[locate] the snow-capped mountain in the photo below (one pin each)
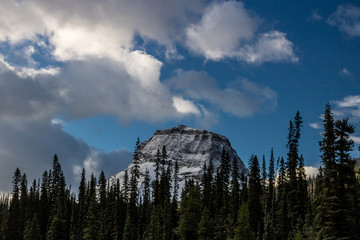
(190, 147)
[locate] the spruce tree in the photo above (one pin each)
(243, 230)
(145, 206)
(281, 224)
(32, 229)
(206, 226)
(57, 228)
(44, 207)
(254, 202)
(190, 211)
(235, 192)
(333, 219)
(14, 225)
(92, 224)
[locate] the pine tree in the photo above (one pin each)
(156, 183)
(243, 230)
(271, 188)
(57, 226)
(32, 229)
(254, 202)
(44, 207)
(92, 224)
(222, 197)
(333, 219)
(190, 212)
(208, 188)
(235, 191)
(14, 225)
(269, 226)
(126, 185)
(282, 224)
(244, 188)
(23, 202)
(206, 226)
(154, 230)
(145, 207)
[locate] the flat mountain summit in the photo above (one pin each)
(190, 147)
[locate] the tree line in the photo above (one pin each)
(273, 202)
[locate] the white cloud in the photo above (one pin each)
(347, 19)
(349, 107)
(185, 106)
(270, 47)
(222, 28)
(315, 125)
(228, 30)
(80, 29)
(349, 101)
(243, 99)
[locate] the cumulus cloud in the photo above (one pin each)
(228, 30)
(243, 99)
(82, 28)
(346, 19)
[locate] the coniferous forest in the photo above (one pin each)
(276, 201)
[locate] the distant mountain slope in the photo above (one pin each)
(190, 147)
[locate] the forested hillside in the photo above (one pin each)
(276, 201)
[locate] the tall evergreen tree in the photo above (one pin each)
(206, 226)
(243, 229)
(14, 225)
(145, 207)
(190, 212)
(92, 224)
(333, 218)
(254, 202)
(32, 229)
(235, 192)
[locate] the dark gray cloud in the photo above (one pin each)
(29, 138)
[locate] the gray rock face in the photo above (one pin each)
(190, 147)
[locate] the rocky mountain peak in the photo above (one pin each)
(190, 147)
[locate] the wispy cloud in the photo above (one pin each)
(315, 125)
(345, 73)
(315, 16)
(348, 107)
(346, 19)
(244, 98)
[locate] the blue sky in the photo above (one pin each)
(84, 79)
